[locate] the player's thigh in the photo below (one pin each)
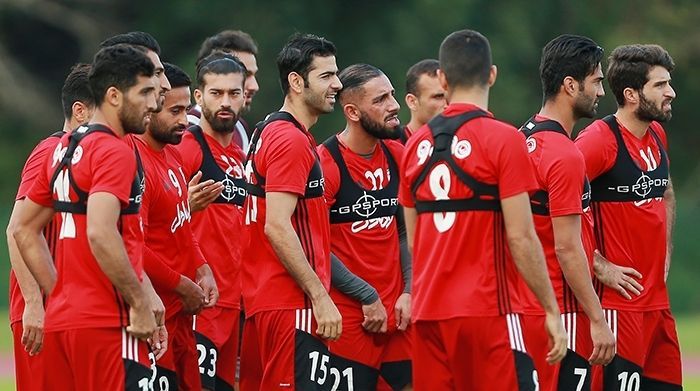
(28, 369)
(184, 348)
(216, 329)
(662, 370)
(396, 371)
(625, 370)
(431, 370)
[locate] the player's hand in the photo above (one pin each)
(619, 278)
(403, 311)
(202, 194)
(206, 281)
(603, 343)
(191, 295)
(330, 323)
(142, 322)
(375, 317)
(159, 342)
(33, 327)
(557, 337)
(157, 305)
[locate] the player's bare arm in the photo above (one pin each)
(529, 258)
(572, 258)
(29, 236)
(620, 278)
(670, 200)
(285, 243)
(107, 246)
(33, 315)
(202, 194)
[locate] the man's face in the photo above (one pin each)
(322, 85)
(168, 125)
(431, 99)
(221, 99)
(162, 80)
(138, 102)
(251, 83)
(590, 92)
(656, 96)
(379, 109)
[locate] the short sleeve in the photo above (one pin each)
(191, 154)
(113, 168)
(35, 166)
(599, 148)
(565, 177)
(512, 164)
(288, 158)
(405, 164)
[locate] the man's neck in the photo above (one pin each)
(110, 119)
(358, 140)
(224, 139)
(631, 122)
(414, 124)
(300, 111)
(151, 142)
(561, 112)
(476, 96)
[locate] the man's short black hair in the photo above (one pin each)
(219, 63)
(176, 76)
(136, 38)
(228, 41)
(355, 76)
(567, 55)
(629, 67)
(428, 67)
(76, 88)
(298, 54)
(465, 59)
(118, 66)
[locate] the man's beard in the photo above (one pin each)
(132, 120)
(377, 130)
(585, 107)
(219, 125)
(647, 111)
(165, 135)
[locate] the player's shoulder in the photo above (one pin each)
(283, 132)
(597, 129)
(660, 131)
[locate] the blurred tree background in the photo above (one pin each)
(41, 39)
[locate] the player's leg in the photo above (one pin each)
(166, 377)
(251, 368)
(431, 369)
(574, 372)
(184, 348)
(59, 372)
(228, 322)
(108, 359)
(210, 336)
(395, 371)
(625, 370)
(537, 342)
(662, 370)
(26, 367)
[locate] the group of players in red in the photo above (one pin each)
(476, 257)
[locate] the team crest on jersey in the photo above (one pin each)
(77, 155)
(531, 144)
(58, 153)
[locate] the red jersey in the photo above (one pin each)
(83, 296)
(560, 172)
(217, 228)
(368, 248)
(461, 262)
(170, 249)
(634, 233)
(285, 156)
(32, 168)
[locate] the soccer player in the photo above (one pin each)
(286, 275)
(572, 84)
(98, 312)
(241, 45)
(360, 168)
(26, 299)
(147, 42)
(208, 152)
(464, 187)
(634, 207)
(172, 259)
(425, 97)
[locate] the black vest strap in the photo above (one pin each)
(353, 202)
(234, 188)
(314, 184)
(443, 130)
(80, 206)
(57, 134)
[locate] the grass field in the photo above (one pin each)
(688, 333)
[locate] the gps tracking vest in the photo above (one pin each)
(314, 183)
(354, 203)
(539, 201)
(485, 195)
(234, 188)
(625, 181)
(64, 167)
